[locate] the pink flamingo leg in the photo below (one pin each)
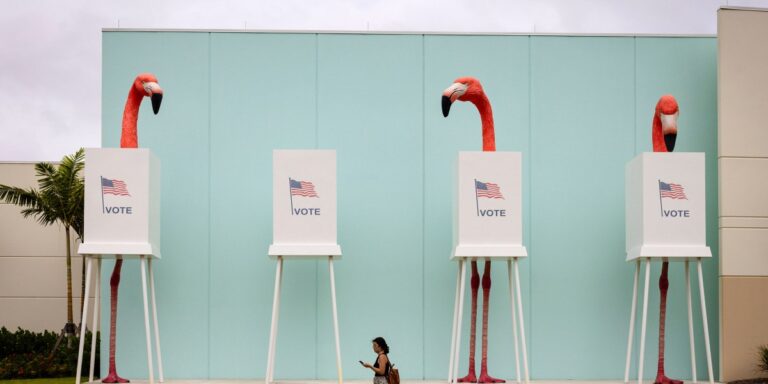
(475, 284)
(484, 376)
(114, 283)
(663, 287)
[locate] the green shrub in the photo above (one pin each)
(26, 355)
(763, 358)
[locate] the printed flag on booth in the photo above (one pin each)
(114, 187)
(302, 188)
(489, 190)
(672, 190)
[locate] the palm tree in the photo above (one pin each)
(60, 199)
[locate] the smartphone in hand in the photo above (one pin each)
(361, 363)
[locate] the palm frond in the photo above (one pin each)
(19, 196)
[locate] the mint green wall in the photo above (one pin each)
(578, 108)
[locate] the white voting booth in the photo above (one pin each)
(304, 225)
(122, 220)
(666, 221)
(488, 226)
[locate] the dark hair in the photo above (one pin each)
(382, 344)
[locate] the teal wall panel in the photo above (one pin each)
(370, 111)
(178, 135)
(682, 67)
(578, 108)
(262, 98)
(581, 137)
(501, 63)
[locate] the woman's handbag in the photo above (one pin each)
(393, 377)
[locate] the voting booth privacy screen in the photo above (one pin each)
(304, 203)
(488, 205)
(122, 202)
(666, 206)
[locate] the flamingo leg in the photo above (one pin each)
(484, 377)
(114, 282)
(663, 287)
(475, 284)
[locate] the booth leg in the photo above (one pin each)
(522, 324)
(462, 280)
(643, 323)
(335, 319)
(690, 319)
(632, 314)
(146, 318)
(273, 329)
(514, 319)
(453, 328)
(84, 320)
(154, 320)
(96, 311)
(704, 323)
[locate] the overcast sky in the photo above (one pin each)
(50, 50)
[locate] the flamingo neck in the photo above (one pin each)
(129, 137)
(486, 117)
(656, 135)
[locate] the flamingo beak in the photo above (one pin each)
(154, 91)
(669, 129)
(446, 105)
(157, 98)
(451, 94)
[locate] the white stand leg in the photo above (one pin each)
(704, 323)
(462, 280)
(690, 319)
(146, 318)
(632, 322)
(514, 319)
(453, 329)
(154, 320)
(645, 318)
(335, 319)
(96, 311)
(83, 320)
(522, 324)
(273, 329)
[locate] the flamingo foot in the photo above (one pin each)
(661, 379)
(485, 378)
(469, 378)
(114, 378)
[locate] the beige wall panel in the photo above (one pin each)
(743, 79)
(38, 276)
(744, 315)
(744, 185)
(744, 252)
(18, 174)
(25, 237)
(38, 314)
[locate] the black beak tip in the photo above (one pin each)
(446, 105)
(669, 141)
(157, 98)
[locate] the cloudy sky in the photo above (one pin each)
(50, 50)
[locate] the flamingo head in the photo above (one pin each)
(462, 89)
(146, 84)
(667, 112)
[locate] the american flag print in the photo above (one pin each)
(489, 190)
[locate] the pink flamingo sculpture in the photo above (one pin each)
(469, 89)
(144, 85)
(664, 134)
